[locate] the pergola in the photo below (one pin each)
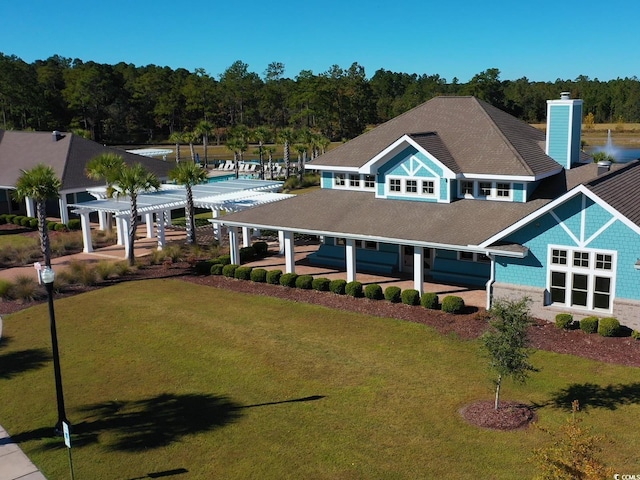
(227, 196)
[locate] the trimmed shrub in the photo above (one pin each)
(259, 275)
(9, 217)
(429, 300)
(60, 227)
(589, 324)
(51, 226)
(452, 304)
(288, 280)
(564, 320)
(203, 267)
(635, 334)
(216, 269)
(273, 277)
(33, 223)
(25, 222)
(608, 327)
(247, 254)
(230, 270)
(17, 220)
(373, 292)
(321, 284)
(304, 282)
(243, 273)
(353, 289)
(393, 294)
(3, 218)
(410, 297)
(74, 224)
(337, 286)
(222, 260)
(261, 249)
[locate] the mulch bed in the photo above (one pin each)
(509, 416)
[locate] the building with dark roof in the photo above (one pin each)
(68, 155)
(456, 190)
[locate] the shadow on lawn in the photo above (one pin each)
(151, 423)
(595, 396)
(15, 363)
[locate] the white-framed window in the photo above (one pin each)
(473, 257)
(365, 244)
(428, 188)
(411, 186)
(339, 179)
(485, 189)
(395, 185)
(369, 181)
(354, 180)
(581, 278)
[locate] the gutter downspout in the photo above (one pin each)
(492, 279)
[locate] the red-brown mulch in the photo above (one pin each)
(509, 416)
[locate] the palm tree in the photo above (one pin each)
(237, 146)
(135, 179)
(203, 130)
(177, 138)
(190, 138)
(270, 151)
(261, 135)
(287, 136)
(302, 157)
(41, 184)
(189, 174)
(106, 166)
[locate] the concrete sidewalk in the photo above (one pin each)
(14, 464)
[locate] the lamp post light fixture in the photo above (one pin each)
(48, 275)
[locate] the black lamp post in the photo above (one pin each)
(47, 275)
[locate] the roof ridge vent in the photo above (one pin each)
(56, 135)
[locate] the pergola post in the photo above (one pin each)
(149, 221)
(234, 249)
(124, 226)
(350, 256)
(280, 242)
(87, 245)
(102, 220)
(289, 253)
(119, 231)
(30, 205)
(64, 213)
(418, 269)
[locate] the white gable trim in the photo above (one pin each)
(580, 189)
(331, 168)
(396, 147)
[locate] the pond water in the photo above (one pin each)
(621, 154)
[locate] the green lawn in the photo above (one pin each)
(166, 376)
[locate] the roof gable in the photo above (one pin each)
(479, 138)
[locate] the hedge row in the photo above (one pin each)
(607, 327)
(222, 266)
(31, 222)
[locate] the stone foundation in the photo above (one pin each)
(626, 311)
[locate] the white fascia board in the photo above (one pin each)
(371, 166)
(392, 240)
(509, 178)
(580, 189)
(330, 168)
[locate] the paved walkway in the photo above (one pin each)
(14, 464)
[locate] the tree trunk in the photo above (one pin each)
(497, 403)
(45, 244)
(287, 159)
(133, 221)
(189, 214)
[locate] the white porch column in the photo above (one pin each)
(281, 242)
(492, 279)
(148, 218)
(350, 255)
(418, 269)
(87, 245)
(102, 220)
(124, 226)
(246, 237)
(289, 253)
(31, 208)
(234, 249)
(160, 227)
(64, 213)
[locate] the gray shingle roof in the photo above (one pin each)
(68, 157)
(480, 139)
(619, 189)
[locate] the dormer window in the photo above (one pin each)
(466, 189)
(395, 185)
(428, 187)
(369, 181)
(483, 189)
(503, 190)
(339, 179)
(354, 180)
(412, 186)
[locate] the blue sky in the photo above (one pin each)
(542, 40)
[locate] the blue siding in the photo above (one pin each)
(326, 181)
(444, 191)
(559, 134)
(576, 132)
(518, 192)
(447, 268)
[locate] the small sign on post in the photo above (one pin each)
(38, 268)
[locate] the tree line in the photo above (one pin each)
(124, 103)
